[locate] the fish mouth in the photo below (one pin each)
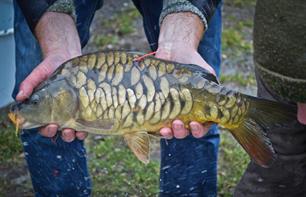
(20, 122)
(17, 120)
(30, 125)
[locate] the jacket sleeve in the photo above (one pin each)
(203, 8)
(33, 10)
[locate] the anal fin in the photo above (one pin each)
(139, 143)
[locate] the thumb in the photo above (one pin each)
(38, 75)
(301, 115)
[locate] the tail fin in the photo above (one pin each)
(252, 133)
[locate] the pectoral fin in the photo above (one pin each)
(139, 143)
(96, 126)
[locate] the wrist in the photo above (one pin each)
(58, 36)
(62, 54)
(183, 29)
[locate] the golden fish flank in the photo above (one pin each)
(150, 111)
(161, 69)
(131, 97)
(91, 62)
(121, 94)
(116, 57)
(102, 73)
(149, 86)
(153, 72)
(118, 112)
(83, 97)
(142, 103)
(135, 76)
(176, 103)
(126, 110)
(108, 93)
(166, 111)
(118, 75)
(114, 95)
(110, 59)
(102, 102)
(80, 79)
(187, 98)
(164, 86)
(139, 91)
(162, 97)
(101, 60)
(123, 58)
(170, 68)
(110, 72)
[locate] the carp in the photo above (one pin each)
(111, 93)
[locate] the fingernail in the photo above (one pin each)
(51, 130)
(68, 136)
(65, 134)
(20, 94)
(178, 126)
(194, 128)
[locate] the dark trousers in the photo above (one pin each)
(287, 176)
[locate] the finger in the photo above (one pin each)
(301, 114)
(39, 74)
(68, 135)
(204, 64)
(49, 131)
(166, 132)
(197, 129)
(81, 135)
(179, 130)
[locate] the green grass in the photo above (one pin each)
(117, 172)
(232, 162)
(123, 21)
(10, 145)
(240, 79)
(233, 39)
(241, 3)
(121, 24)
(103, 40)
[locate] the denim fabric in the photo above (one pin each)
(188, 166)
(57, 168)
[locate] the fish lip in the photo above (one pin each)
(20, 122)
(29, 125)
(15, 118)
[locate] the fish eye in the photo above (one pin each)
(35, 99)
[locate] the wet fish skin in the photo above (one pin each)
(109, 93)
(142, 88)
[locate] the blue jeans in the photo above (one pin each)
(58, 168)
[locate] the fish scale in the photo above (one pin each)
(141, 81)
(111, 93)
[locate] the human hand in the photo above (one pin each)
(178, 41)
(59, 42)
(301, 114)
